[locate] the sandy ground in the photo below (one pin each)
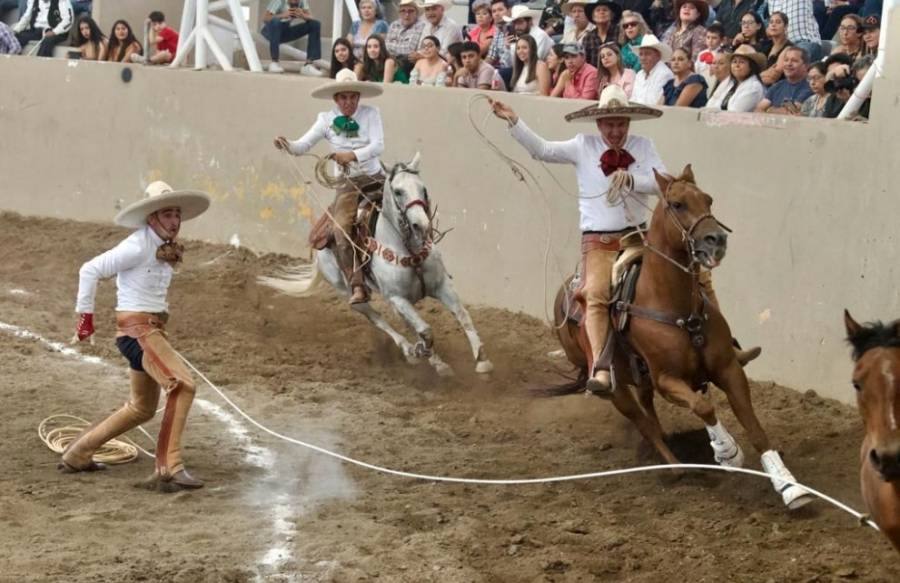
(313, 370)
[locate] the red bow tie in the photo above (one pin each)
(613, 160)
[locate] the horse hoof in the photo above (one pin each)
(444, 370)
(484, 366)
(796, 497)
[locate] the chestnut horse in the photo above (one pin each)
(876, 378)
(678, 336)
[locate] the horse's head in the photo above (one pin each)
(876, 378)
(406, 204)
(691, 225)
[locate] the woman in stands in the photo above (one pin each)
(777, 33)
(814, 106)
(752, 33)
(850, 34)
(631, 31)
(745, 90)
(362, 29)
(612, 71)
(484, 30)
(431, 69)
(122, 43)
(377, 66)
(687, 89)
(721, 74)
(342, 57)
(86, 36)
(530, 76)
(555, 63)
(688, 32)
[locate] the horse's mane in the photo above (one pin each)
(875, 335)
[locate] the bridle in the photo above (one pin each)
(403, 210)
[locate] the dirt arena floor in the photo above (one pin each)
(315, 371)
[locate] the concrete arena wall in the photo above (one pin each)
(809, 200)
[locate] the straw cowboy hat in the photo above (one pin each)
(521, 11)
(429, 3)
(748, 52)
(701, 5)
(412, 3)
(614, 103)
(346, 82)
(651, 42)
(159, 196)
(566, 8)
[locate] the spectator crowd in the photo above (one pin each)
(793, 57)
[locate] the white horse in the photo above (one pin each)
(404, 267)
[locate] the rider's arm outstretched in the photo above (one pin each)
(566, 152)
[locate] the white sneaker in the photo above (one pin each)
(310, 71)
(322, 64)
(274, 67)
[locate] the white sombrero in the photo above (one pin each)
(521, 11)
(158, 196)
(651, 42)
(346, 82)
(566, 8)
(412, 3)
(429, 3)
(614, 103)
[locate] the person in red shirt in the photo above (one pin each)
(165, 38)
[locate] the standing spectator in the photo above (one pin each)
(688, 32)
(579, 80)
(631, 33)
(431, 68)
(650, 80)
(9, 44)
(814, 106)
(88, 39)
(788, 95)
(404, 35)
(499, 55)
(604, 14)
(715, 38)
(577, 23)
(803, 30)
(729, 13)
(687, 88)
(289, 20)
(164, 37)
(777, 33)
(439, 25)
(850, 34)
(122, 44)
(366, 26)
(342, 57)
(555, 63)
(475, 73)
(611, 70)
(45, 21)
(752, 33)
(377, 66)
(521, 21)
(871, 27)
(720, 75)
(485, 30)
(530, 76)
(745, 90)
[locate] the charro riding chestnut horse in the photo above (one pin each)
(876, 378)
(676, 340)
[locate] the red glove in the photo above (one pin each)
(85, 327)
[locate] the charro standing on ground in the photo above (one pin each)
(356, 136)
(143, 264)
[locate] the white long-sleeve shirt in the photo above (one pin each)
(744, 99)
(142, 280)
(648, 89)
(584, 152)
(42, 22)
(367, 146)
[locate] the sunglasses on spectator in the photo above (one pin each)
(629, 24)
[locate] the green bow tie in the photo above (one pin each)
(346, 125)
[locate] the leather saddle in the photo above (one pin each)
(625, 273)
(323, 231)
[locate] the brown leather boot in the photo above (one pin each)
(745, 356)
(360, 295)
(600, 384)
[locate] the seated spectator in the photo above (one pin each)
(788, 95)
(687, 88)
(776, 31)
(577, 25)
(803, 30)
(164, 37)
(404, 34)
(342, 57)
(604, 14)
(720, 75)
(9, 44)
(650, 80)
(814, 106)
(752, 33)
(530, 76)
(88, 39)
(871, 27)
(521, 22)
(431, 68)
(474, 73)
(289, 20)
(377, 66)
(499, 54)
(850, 34)
(579, 80)
(555, 64)
(715, 40)
(612, 71)
(122, 44)
(688, 32)
(45, 21)
(860, 67)
(454, 61)
(439, 25)
(729, 13)
(484, 30)
(365, 27)
(745, 90)
(631, 33)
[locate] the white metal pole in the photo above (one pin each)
(337, 20)
(243, 32)
(188, 16)
(202, 23)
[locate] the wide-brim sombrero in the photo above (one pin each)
(346, 82)
(614, 103)
(158, 196)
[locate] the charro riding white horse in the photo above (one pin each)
(405, 268)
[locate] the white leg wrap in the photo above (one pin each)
(794, 496)
(726, 450)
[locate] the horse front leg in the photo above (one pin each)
(425, 346)
(379, 322)
(448, 296)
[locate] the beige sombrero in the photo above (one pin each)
(649, 41)
(521, 11)
(567, 6)
(614, 103)
(346, 82)
(412, 3)
(748, 52)
(158, 196)
(429, 3)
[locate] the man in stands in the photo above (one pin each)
(521, 21)
(439, 25)
(45, 21)
(500, 53)
(788, 95)
(475, 73)
(404, 34)
(579, 80)
(289, 20)
(654, 73)
(165, 39)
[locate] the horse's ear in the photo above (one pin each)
(688, 175)
(663, 180)
(414, 165)
(851, 325)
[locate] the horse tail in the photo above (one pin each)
(300, 281)
(570, 388)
